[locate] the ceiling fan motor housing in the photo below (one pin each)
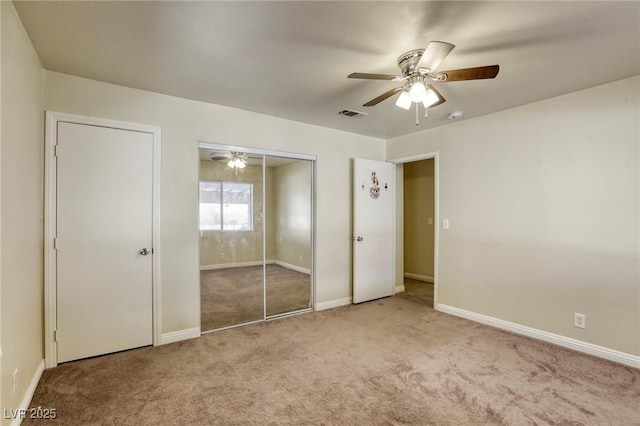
(408, 62)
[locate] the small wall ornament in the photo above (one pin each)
(374, 191)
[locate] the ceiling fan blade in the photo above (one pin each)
(385, 95)
(441, 98)
(477, 73)
(367, 76)
(434, 54)
(219, 157)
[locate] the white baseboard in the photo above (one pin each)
(232, 265)
(321, 306)
(418, 277)
(255, 263)
(292, 267)
(176, 336)
(567, 342)
(26, 401)
(399, 289)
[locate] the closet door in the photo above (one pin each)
(288, 184)
(231, 232)
(104, 240)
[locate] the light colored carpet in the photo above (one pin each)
(391, 361)
(233, 296)
(418, 291)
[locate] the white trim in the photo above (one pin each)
(567, 342)
(292, 267)
(234, 265)
(399, 289)
(256, 263)
(26, 400)
(50, 286)
(50, 348)
(177, 336)
(289, 314)
(436, 243)
(264, 236)
(418, 277)
(321, 306)
(251, 150)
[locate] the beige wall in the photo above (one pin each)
(22, 171)
(543, 202)
(292, 201)
(184, 124)
(233, 247)
(419, 203)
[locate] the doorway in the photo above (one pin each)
(255, 233)
(417, 230)
(101, 237)
(419, 233)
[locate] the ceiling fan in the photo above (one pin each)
(418, 69)
(235, 159)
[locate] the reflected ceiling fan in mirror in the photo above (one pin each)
(235, 159)
(418, 70)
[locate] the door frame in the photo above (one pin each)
(435, 155)
(50, 231)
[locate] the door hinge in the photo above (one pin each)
(55, 335)
(55, 150)
(55, 243)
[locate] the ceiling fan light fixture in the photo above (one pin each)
(404, 100)
(237, 163)
(418, 92)
(430, 98)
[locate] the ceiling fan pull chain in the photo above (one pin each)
(426, 113)
(417, 117)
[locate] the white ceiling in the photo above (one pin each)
(291, 59)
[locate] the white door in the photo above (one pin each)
(104, 228)
(374, 229)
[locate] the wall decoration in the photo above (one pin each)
(374, 191)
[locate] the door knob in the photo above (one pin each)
(359, 239)
(145, 251)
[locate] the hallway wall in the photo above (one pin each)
(419, 207)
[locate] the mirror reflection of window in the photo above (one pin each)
(226, 206)
(210, 201)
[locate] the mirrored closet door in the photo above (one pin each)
(256, 236)
(231, 225)
(288, 234)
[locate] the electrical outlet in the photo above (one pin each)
(580, 320)
(14, 381)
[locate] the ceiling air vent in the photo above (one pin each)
(351, 113)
